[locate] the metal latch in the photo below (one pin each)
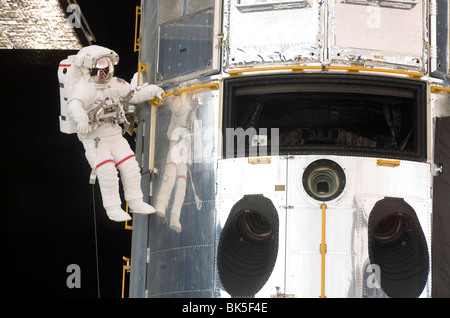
(279, 294)
(437, 169)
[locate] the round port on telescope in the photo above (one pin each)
(324, 180)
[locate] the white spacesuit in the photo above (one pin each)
(95, 104)
(179, 157)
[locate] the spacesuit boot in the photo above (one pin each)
(116, 214)
(131, 181)
(139, 206)
(175, 220)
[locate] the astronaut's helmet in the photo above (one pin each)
(96, 63)
(102, 70)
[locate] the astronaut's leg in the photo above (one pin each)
(180, 193)
(131, 177)
(100, 159)
(109, 187)
(168, 181)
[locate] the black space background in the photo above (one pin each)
(47, 216)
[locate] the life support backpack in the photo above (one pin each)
(68, 75)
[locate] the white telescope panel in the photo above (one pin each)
(272, 34)
(370, 34)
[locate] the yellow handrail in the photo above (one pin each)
(294, 68)
(438, 89)
(377, 70)
(137, 45)
(177, 92)
(323, 251)
(127, 226)
(124, 269)
(388, 163)
(300, 68)
(259, 160)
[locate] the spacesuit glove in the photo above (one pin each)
(83, 127)
(150, 92)
(159, 94)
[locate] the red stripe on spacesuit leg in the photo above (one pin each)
(171, 163)
(182, 177)
(125, 159)
(174, 164)
(103, 162)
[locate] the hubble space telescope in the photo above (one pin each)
(301, 150)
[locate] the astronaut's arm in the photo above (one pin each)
(79, 116)
(147, 93)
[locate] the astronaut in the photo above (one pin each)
(179, 157)
(95, 104)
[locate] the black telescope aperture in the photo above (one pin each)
(248, 246)
(398, 246)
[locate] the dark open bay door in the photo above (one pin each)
(441, 212)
